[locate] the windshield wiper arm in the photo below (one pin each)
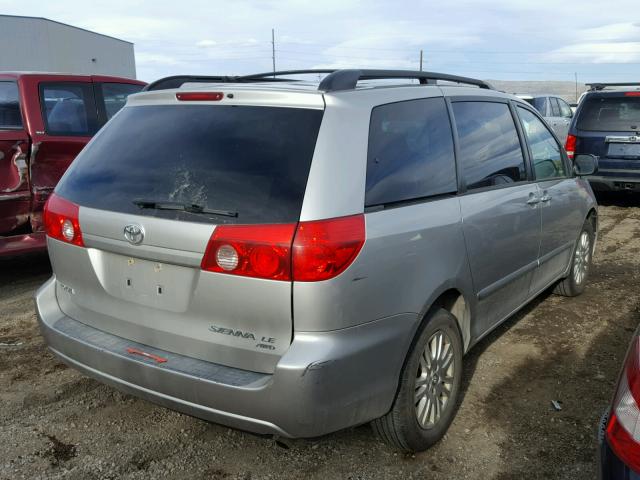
(183, 207)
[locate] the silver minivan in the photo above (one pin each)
(295, 258)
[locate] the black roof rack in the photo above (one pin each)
(336, 80)
(602, 86)
(348, 79)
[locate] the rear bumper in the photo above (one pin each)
(613, 184)
(325, 381)
(19, 244)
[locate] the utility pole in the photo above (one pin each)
(421, 60)
(273, 50)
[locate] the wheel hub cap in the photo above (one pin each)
(434, 379)
(581, 258)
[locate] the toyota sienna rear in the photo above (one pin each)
(293, 258)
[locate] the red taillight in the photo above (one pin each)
(570, 146)
(323, 249)
(61, 220)
(262, 251)
(632, 94)
(200, 96)
(623, 429)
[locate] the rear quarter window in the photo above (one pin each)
(600, 113)
(114, 96)
(410, 153)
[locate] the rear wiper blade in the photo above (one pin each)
(183, 207)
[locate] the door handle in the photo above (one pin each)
(545, 197)
(533, 199)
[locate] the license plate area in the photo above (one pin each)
(149, 283)
(623, 147)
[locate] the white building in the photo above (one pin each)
(40, 44)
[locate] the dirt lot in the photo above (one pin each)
(54, 423)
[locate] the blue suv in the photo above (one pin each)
(607, 125)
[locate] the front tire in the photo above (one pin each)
(427, 397)
(574, 284)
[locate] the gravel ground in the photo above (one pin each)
(55, 423)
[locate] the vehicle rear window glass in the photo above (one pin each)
(410, 152)
(609, 114)
(555, 107)
(490, 149)
(115, 96)
(10, 116)
(538, 103)
(68, 108)
(251, 160)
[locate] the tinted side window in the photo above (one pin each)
(545, 151)
(410, 152)
(68, 108)
(9, 106)
(555, 107)
(490, 149)
(115, 96)
(565, 109)
(539, 104)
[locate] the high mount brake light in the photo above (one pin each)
(570, 146)
(199, 96)
(61, 220)
(623, 428)
(308, 252)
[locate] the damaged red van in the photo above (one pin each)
(45, 120)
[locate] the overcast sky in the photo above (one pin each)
(502, 39)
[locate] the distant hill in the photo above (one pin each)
(566, 90)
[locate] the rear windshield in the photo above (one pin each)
(537, 103)
(253, 161)
(609, 114)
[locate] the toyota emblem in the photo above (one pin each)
(134, 234)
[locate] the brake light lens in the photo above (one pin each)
(311, 252)
(325, 248)
(61, 220)
(623, 429)
(570, 146)
(632, 94)
(262, 251)
(199, 96)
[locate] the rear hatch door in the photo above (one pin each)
(608, 125)
(140, 276)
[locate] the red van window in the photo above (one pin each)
(10, 117)
(69, 108)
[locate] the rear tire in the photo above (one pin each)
(427, 397)
(574, 284)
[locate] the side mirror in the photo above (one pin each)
(585, 164)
